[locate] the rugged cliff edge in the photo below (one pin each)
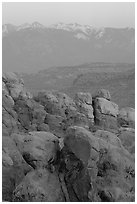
(60, 149)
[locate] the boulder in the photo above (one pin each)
(56, 124)
(127, 137)
(55, 103)
(14, 168)
(30, 113)
(78, 119)
(24, 113)
(6, 159)
(9, 121)
(4, 89)
(39, 186)
(103, 93)
(15, 86)
(83, 98)
(39, 149)
(126, 117)
(106, 107)
(106, 113)
(108, 137)
(38, 114)
(43, 127)
(84, 104)
(7, 101)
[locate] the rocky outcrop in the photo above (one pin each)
(59, 149)
(107, 166)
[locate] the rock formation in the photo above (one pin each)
(60, 149)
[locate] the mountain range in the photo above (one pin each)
(32, 47)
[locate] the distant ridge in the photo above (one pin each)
(33, 47)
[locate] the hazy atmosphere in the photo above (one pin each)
(68, 102)
(96, 14)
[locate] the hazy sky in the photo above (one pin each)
(96, 14)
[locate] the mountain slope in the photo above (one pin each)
(119, 78)
(28, 48)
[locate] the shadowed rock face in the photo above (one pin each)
(59, 149)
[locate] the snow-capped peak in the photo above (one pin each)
(23, 26)
(37, 25)
(80, 31)
(34, 25)
(73, 27)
